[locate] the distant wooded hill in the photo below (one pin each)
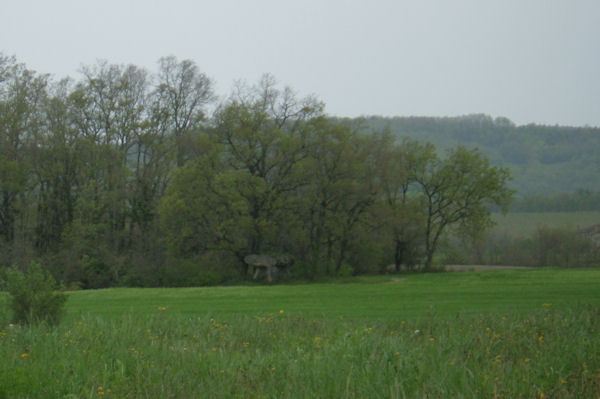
(542, 159)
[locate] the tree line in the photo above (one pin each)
(580, 200)
(127, 177)
(544, 159)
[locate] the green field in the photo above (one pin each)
(363, 298)
(526, 223)
(522, 333)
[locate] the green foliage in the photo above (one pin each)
(458, 191)
(581, 200)
(33, 296)
(4, 308)
(346, 271)
(522, 224)
(190, 273)
(545, 247)
(122, 177)
(330, 198)
(544, 160)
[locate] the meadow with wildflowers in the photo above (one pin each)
(509, 334)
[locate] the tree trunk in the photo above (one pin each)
(399, 254)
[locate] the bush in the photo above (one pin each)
(33, 296)
(346, 271)
(4, 316)
(190, 273)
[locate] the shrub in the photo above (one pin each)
(4, 316)
(190, 273)
(346, 271)
(33, 296)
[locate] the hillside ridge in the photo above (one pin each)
(542, 159)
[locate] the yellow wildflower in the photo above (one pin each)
(24, 355)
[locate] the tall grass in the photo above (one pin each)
(510, 334)
(546, 353)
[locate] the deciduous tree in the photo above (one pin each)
(458, 191)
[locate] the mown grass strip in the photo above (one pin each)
(377, 298)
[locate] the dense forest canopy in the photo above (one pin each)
(131, 177)
(543, 160)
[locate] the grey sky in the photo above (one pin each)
(529, 60)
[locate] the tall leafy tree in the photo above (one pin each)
(399, 211)
(21, 93)
(264, 134)
(108, 107)
(180, 100)
(239, 190)
(56, 168)
(341, 190)
(458, 191)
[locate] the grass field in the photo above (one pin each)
(509, 334)
(524, 223)
(368, 298)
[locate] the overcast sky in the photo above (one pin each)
(529, 60)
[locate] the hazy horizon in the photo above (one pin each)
(533, 61)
